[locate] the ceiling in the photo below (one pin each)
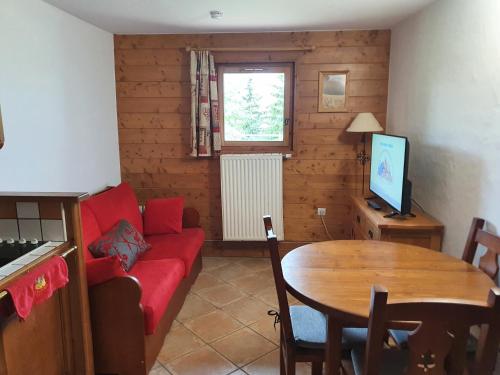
(192, 16)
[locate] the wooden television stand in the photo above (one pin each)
(369, 224)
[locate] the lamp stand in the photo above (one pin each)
(363, 158)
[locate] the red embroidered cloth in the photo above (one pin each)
(38, 285)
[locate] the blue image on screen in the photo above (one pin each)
(387, 168)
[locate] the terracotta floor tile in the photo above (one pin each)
(257, 264)
(178, 342)
(243, 346)
(268, 296)
(292, 300)
(265, 327)
(266, 273)
(194, 306)
(158, 369)
(252, 284)
(227, 309)
(205, 280)
(230, 271)
(270, 365)
(247, 310)
(213, 326)
(220, 295)
(204, 361)
(211, 263)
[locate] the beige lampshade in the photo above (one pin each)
(364, 123)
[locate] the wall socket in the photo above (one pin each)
(321, 211)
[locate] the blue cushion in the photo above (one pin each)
(353, 337)
(309, 329)
(400, 337)
(394, 361)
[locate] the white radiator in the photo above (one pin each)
(251, 187)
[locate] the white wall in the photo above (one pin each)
(57, 95)
(444, 94)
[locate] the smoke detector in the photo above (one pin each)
(216, 14)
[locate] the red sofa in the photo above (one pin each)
(132, 312)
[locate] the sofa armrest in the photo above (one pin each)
(118, 326)
(100, 270)
(190, 218)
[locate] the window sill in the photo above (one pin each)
(256, 150)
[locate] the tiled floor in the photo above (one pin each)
(223, 327)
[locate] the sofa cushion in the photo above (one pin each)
(185, 246)
(124, 241)
(104, 269)
(90, 229)
(159, 279)
(163, 216)
(114, 205)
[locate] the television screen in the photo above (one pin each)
(388, 168)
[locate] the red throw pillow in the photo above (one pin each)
(100, 270)
(163, 216)
(123, 241)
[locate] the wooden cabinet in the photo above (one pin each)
(369, 224)
(55, 339)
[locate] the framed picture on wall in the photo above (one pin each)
(333, 87)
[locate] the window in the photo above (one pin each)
(255, 103)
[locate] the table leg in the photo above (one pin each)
(333, 350)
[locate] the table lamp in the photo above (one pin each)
(364, 123)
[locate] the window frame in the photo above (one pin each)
(286, 68)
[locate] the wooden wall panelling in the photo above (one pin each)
(152, 77)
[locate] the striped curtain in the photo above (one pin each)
(205, 132)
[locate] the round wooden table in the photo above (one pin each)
(336, 277)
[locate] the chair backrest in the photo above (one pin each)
(286, 322)
(488, 263)
(443, 328)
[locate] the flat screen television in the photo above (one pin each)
(389, 172)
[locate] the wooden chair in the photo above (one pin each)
(302, 328)
(431, 343)
(488, 263)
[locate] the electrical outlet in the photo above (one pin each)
(321, 211)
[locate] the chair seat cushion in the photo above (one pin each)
(394, 361)
(159, 279)
(309, 326)
(401, 339)
(185, 246)
(309, 329)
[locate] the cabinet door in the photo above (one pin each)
(357, 234)
(371, 231)
(35, 345)
(417, 238)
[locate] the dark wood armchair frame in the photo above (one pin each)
(290, 353)
(431, 343)
(488, 263)
(121, 345)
